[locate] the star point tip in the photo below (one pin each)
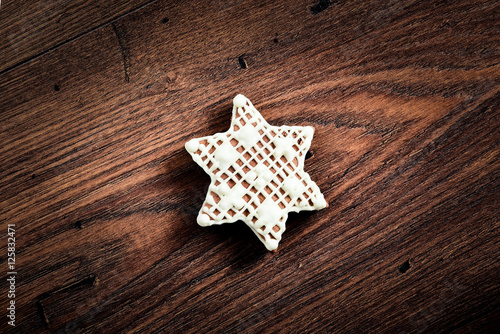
(321, 203)
(203, 220)
(191, 146)
(272, 245)
(308, 131)
(239, 101)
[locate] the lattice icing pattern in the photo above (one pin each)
(257, 173)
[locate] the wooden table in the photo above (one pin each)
(98, 98)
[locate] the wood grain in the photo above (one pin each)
(404, 97)
(32, 28)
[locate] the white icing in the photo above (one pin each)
(260, 183)
(320, 201)
(239, 203)
(251, 176)
(308, 132)
(203, 220)
(225, 203)
(223, 189)
(210, 200)
(239, 101)
(271, 244)
(248, 135)
(284, 147)
(268, 215)
(262, 171)
(238, 192)
(293, 186)
(226, 155)
(192, 146)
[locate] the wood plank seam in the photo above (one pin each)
(57, 46)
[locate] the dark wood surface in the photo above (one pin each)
(97, 101)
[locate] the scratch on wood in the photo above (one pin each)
(242, 62)
(321, 6)
(88, 281)
(42, 314)
(404, 267)
(120, 36)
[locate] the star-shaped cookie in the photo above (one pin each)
(257, 173)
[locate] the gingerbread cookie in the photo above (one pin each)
(257, 173)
